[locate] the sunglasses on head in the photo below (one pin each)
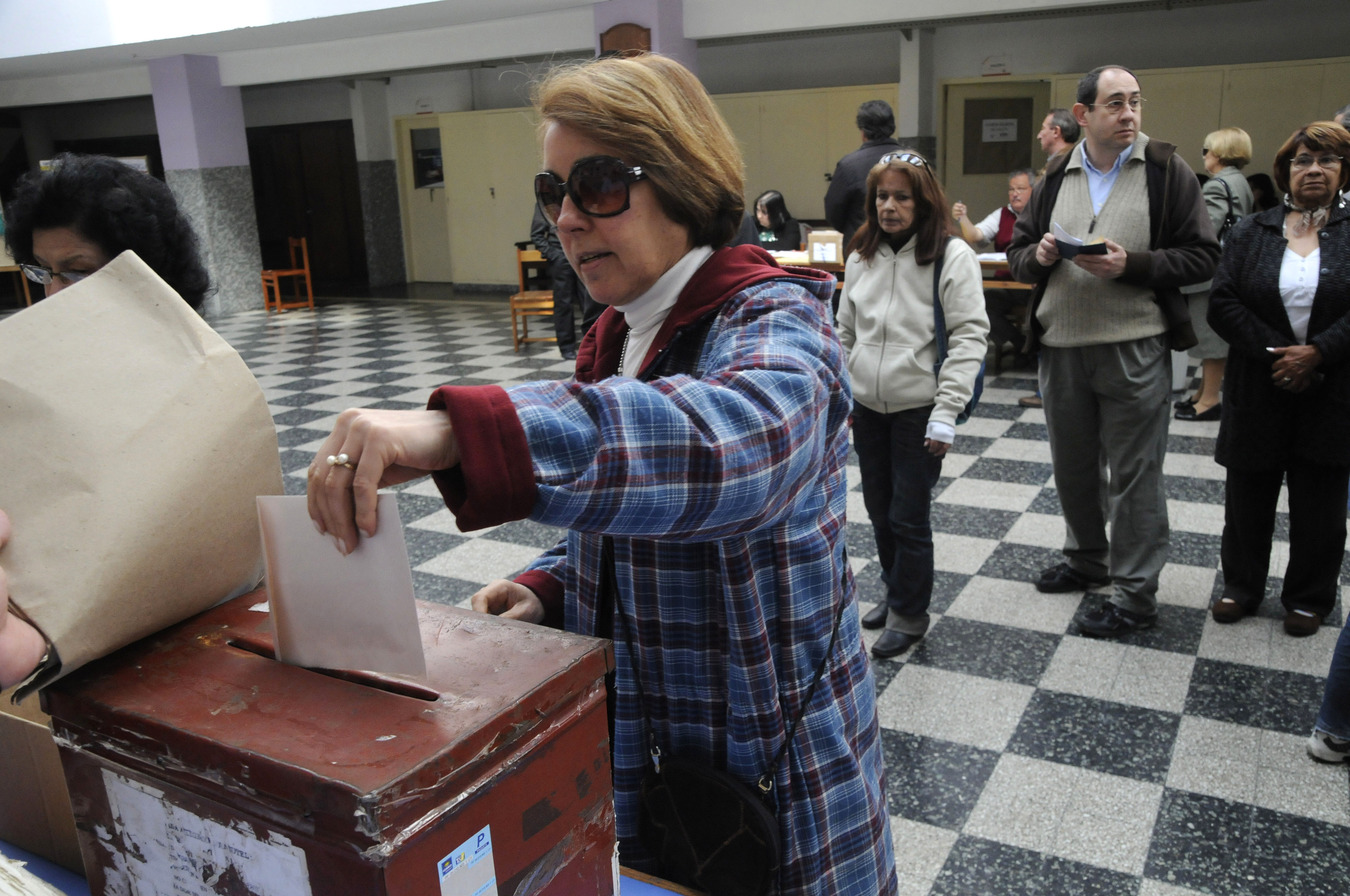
(598, 186)
(910, 158)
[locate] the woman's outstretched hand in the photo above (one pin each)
(368, 450)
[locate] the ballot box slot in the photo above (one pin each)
(389, 684)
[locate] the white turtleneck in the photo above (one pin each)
(649, 311)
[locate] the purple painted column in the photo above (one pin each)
(665, 18)
(202, 138)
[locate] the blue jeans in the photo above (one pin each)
(1334, 719)
(898, 475)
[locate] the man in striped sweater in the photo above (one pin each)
(1105, 319)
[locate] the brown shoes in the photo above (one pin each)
(1029, 401)
(1302, 623)
(1226, 611)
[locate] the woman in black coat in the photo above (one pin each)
(1281, 299)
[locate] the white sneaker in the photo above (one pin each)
(1325, 748)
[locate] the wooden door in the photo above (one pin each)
(491, 158)
(305, 185)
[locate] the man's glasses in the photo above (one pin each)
(911, 158)
(1115, 107)
(1324, 161)
(598, 186)
(44, 277)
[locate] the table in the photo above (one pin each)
(634, 883)
(990, 266)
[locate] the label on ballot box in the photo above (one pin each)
(468, 871)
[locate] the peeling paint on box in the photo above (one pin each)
(165, 850)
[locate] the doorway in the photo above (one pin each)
(305, 183)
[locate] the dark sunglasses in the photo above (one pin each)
(911, 158)
(598, 186)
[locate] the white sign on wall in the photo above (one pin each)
(999, 130)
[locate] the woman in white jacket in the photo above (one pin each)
(904, 415)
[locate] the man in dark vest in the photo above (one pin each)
(1105, 318)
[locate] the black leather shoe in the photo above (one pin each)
(1111, 622)
(875, 617)
(1187, 402)
(1188, 413)
(569, 354)
(893, 643)
(1062, 578)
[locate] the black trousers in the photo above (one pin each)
(1317, 512)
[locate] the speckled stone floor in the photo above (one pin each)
(1021, 757)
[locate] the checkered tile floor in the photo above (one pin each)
(1022, 758)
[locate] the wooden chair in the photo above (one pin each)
(528, 303)
(271, 280)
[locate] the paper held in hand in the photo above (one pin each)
(336, 612)
(1070, 245)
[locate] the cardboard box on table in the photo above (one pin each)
(34, 805)
(825, 247)
(198, 764)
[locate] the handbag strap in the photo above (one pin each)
(939, 317)
(609, 581)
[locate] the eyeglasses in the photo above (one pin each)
(598, 185)
(1324, 161)
(911, 158)
(1115, 107)
(44, 277)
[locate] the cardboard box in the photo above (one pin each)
(198, 764)
(825, 246)
(34, 804)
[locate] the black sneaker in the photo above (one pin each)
(1112, 621)
(1063, 577)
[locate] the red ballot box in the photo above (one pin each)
(198, 764)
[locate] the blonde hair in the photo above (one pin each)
(654, 113)
(1231, 146)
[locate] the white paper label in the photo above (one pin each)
(468, 870)
(168, 851)
(999, 130)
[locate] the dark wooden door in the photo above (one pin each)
(305, 184)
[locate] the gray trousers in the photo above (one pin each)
(1106, 408)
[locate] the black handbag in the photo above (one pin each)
(707, 829)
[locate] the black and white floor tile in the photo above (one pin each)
(1021, 757)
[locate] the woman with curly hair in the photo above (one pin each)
(66, 223)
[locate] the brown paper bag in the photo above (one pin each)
(133, 442)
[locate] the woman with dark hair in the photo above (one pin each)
(907, 398)
(1281, 299)
(61, 226)
(65, 223)
(1264, 195)
(696, 460)
(777, 230)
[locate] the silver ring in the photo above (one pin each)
(340, 460)
(1287, 380)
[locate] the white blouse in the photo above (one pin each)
(1298, 285)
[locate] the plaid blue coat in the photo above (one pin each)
(719, 474)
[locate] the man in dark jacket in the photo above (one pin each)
(568, 289)
(848, 185)
(1105, 319)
